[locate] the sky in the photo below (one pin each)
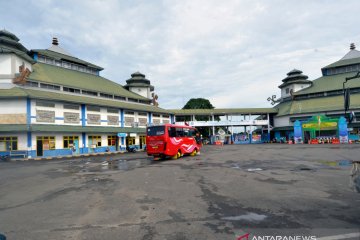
(233, 52)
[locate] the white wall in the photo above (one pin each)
(15, 106)
(294, 87)
(5, 64)
(282, 121)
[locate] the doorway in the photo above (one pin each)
(39, 147)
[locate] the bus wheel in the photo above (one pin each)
(177, 156)
(193, 152)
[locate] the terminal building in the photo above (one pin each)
(316, 104)
(53, 103)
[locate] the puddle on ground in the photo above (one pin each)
(303, 168)
(343, 163)
(109, 165)
(250, 217)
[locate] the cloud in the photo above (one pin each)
(233, 52)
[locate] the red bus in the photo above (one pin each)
(171, 140)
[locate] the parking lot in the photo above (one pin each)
(223, 193)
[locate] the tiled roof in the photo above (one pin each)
(316, 105)
(71, 78)
(60, 56)
(330, 83)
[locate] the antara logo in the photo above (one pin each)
(243, 237)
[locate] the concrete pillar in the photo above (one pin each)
(268, 131)
(213, 127)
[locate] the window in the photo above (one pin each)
(156, 131)
(90, 93)
(45, 104)
(129, 113)
(166, 116)
(66, 65)
(69, 141)
(71, 106)
(95, 140)
(156, 115)
(8, 143)
(119, 98)
(130, 140)
(142, 114)
(287, 90)
(41, 58)
(32, 84)
(48, 142)
(93, 108)
(49, 61)
(50, 86)
(112, 110)
(111, 140)
(144, 101)
(105, 95)
(72, 90)
(132, 100)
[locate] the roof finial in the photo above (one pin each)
(352, 46)
(55, 41)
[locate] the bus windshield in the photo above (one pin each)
(156, 131)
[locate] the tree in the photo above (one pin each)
(200, 103)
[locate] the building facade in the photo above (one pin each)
(301, 100)
(53, 103)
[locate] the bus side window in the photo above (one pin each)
(179, 132)
(187, 132)
(172, 132)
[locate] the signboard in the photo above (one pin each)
(45, 116)
(129, 120)
(156, 121)
(142, 121)
(256, 138)
(93, 119)
(70, 117)
(343, 133)
(297, 132)
(320, 125)
(121, 134)
(113, 120)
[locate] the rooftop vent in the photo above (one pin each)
(352, 46)
(55, 41)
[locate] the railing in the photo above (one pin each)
(225, 123)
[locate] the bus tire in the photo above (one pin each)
(193, 153)
(177, 156)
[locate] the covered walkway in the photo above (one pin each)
(249, 119)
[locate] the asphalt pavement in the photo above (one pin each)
(263, 190)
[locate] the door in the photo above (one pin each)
(76, 145)
(142, 141)
(307, 136)
(39, 148)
